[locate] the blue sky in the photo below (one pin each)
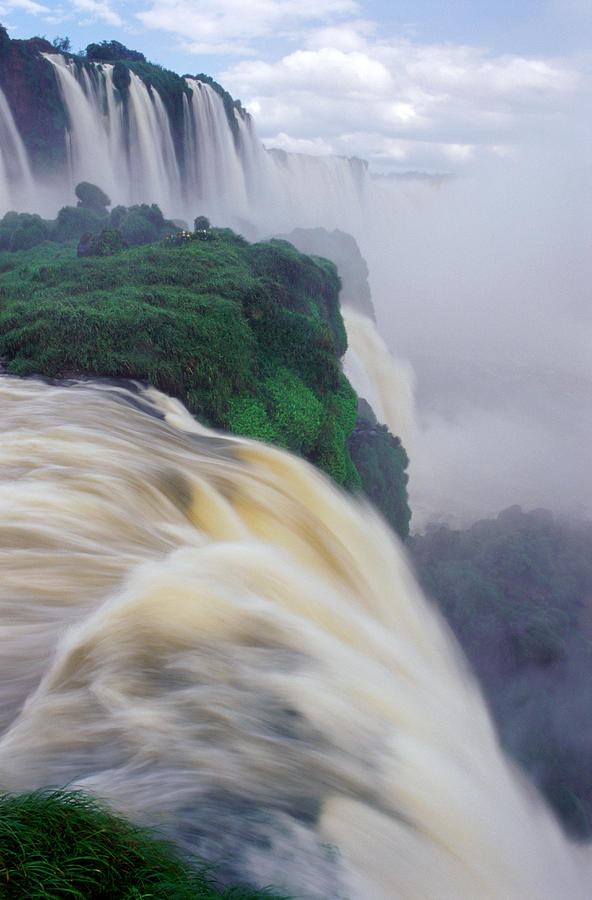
(409, 85)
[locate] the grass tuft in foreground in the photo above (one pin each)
(65, 844)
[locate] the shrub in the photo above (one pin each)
(110, 51)
(21, 231)
(295, 411)
(72, 222)
(141, 224)
(107, 242)
(121, 78)
(248, 416)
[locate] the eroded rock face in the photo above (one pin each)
(32, 92)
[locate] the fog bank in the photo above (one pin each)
(483, 284)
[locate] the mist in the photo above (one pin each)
(482, 283)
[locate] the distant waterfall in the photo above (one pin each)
(127, 148)
(208, 634)
(16, 180)
(385, 382)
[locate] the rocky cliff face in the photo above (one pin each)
(32, 92)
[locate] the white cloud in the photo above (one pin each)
(331, 71)
(230, 26)
(98, 10)
(347, 36)
(26, 5)
(451, 102)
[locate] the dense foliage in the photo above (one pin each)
(380, 461)
(517, 592)
(248, 336)
(107, 242)
(57, 844)
(110, 51)
(138, 224)
(291, 393)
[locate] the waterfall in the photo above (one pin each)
(206, 633)
(215, 176)
(16, 181)
(385, 382)
(127, 148)
(132, 162)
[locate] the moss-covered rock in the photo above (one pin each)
(92, 197)
(248, 336)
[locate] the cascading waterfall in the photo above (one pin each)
(16, 180)
(153, 168)
(205, 632)
(385, 382)
(133, 161)
(128, 150)
(214, 172)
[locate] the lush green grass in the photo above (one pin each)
(248, 336)
(64, 844)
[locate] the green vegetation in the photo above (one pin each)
(517, 593)
(248, 336)
(21, 231)
(381, 462)
(106, 243)
(73, 221)
(137, 225)
(110, 51)
(141, 224)
(56, 844)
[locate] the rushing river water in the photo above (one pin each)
(206, 633)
